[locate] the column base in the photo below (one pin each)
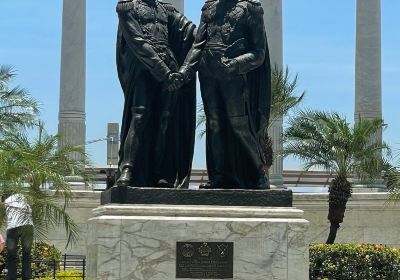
(277, 182)
(76, 183)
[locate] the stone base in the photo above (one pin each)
(76, 183)
(222, 197)
(139, 242)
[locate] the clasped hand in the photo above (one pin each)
(229, 65)
(175, 81)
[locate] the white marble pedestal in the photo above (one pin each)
(138, 242)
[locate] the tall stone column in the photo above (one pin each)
(368, 99)
(368, 76)
(72, 126)
(179, 5)
(273, 23)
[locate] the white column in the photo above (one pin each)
(368, 99)
(274, 27)
(72, 126)
(179, 5)
(368, 76)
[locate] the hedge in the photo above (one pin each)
(67, 275)
(353, 261)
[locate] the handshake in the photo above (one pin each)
(175, 81)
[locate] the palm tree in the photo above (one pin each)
(327, 140)
(17, 107)
(284, 89)
(392, 177)
(30, 167)
(284, 99)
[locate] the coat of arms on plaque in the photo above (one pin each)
(205, 250)
(222, 250)
(188, 250)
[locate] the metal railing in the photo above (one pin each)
(49, 268)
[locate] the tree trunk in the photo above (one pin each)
(339, 194)
(335, 216)
(332, 233)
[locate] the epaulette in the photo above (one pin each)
(253, 6)
(254, 2)
(208, 4)
(168, 6)
(124, 6)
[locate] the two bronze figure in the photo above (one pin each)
(158, 53)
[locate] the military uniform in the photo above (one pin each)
(230, 45)
(153, 40)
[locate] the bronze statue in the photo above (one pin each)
(231, 53)
(158, 125)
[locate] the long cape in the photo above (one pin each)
(182, 129)
(259, 86)
(181, 41)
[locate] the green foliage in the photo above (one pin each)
(283, 93)
(268, 151)
(67, 275)
(17, 107)
(392, 177)
(352, 261)
(28, 167)
(326, 140)
(40, 251)
(201, 120)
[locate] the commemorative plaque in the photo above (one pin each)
(204, 260)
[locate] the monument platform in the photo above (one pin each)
(223, 197)
(167, 241)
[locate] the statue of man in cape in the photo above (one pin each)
(158, 124)
(231, 54)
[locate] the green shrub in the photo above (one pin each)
(40, 251)
(67, 275)
(352, 261)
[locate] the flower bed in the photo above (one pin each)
(40, 251)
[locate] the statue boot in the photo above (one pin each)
(125, 178)
(133, 141)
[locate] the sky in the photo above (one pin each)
(319, 46)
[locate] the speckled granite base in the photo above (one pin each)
(139, 242)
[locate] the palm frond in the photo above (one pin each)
(17, 107)
(201, 120)
(6, 74)
(325, 139)
(48, 214)
(392, 177)
(29, 165)
(283, 93)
